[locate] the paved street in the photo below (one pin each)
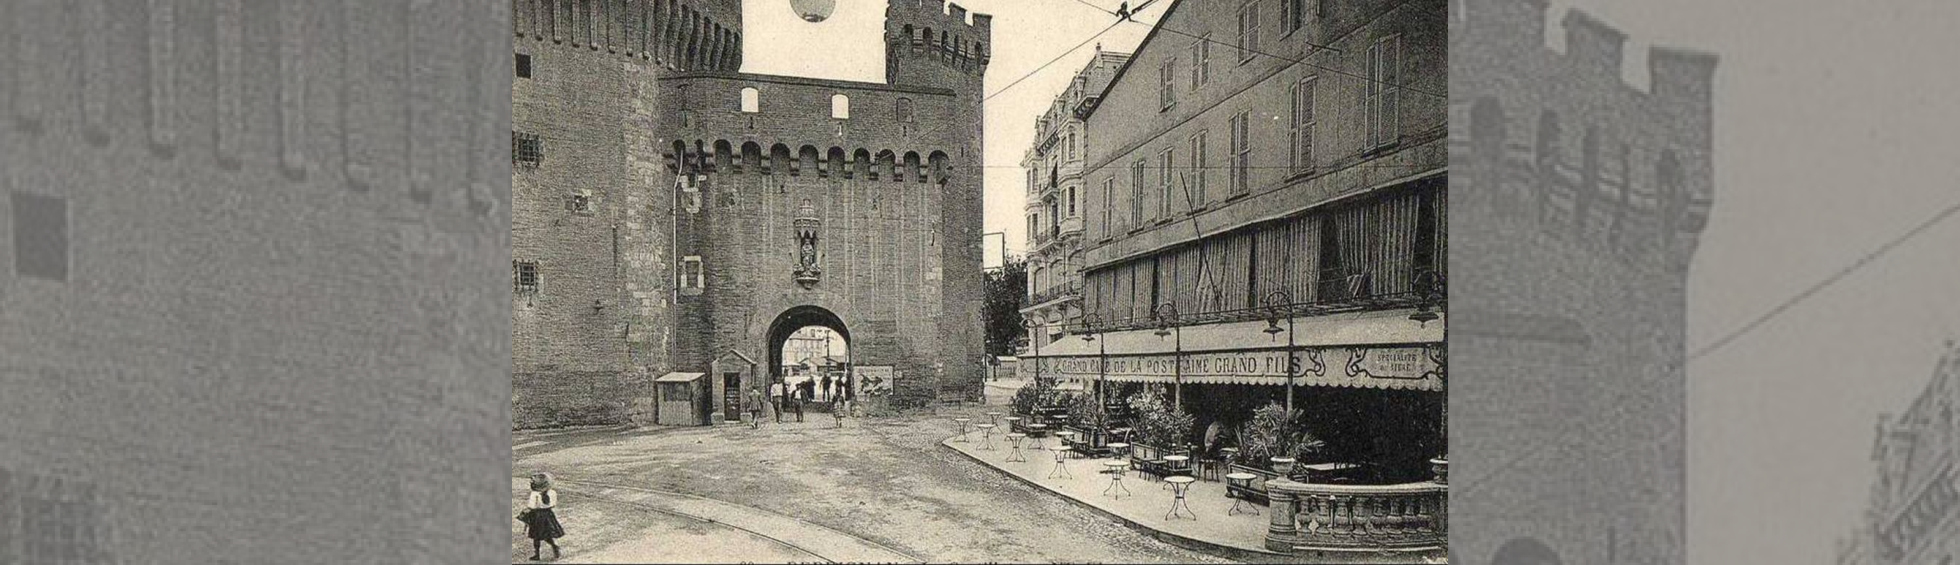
(874, 490)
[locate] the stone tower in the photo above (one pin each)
(1585, 196)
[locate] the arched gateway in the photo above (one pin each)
(679, 231)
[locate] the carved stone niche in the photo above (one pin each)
(808, 225)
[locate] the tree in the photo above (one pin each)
(1007, 290)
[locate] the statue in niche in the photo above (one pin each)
(807, 224)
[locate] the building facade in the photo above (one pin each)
(1583, 196)
(1266, 221)
(674, 214)
(1053, 166)
(1913, 514)
(1242, 167)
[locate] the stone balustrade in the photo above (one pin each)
(1412, 517)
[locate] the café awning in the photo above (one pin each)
(1395, 367)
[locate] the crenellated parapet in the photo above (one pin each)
(1563, 140)
(734, 157)
(676, 34)
(932, 32)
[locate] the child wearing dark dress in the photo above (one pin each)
(541, 520)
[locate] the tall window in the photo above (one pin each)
(1071, 202)
(1136, 193)
(1167, 81)
(1069, 145)
(1108, 194)
(1292, 14)
(840, 107)
(692, 276)
(1302, 125)
(905, 110)
(1201, 61)
(1198, 169)
(1241, 152)
(1384, 87)
(1248, 30)
(1166, 165)
(751, 100)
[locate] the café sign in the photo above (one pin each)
(1419, 367)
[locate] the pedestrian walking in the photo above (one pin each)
(826, 387)
(755, 407)
(797, 403)
(837, 409)
(540, 517)
(776, 398)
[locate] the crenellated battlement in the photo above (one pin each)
(677, 34)
(1561, 140)
(941, 32)
(1592, 46)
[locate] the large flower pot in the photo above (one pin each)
(1441, 466)
(1283, 465)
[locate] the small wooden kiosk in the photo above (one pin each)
(683, 399)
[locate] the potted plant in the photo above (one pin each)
(1085, 419)
(1271, 444)
(1158, 429)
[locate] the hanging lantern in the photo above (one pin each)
(813, 11)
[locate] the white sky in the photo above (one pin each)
(1834, 134)
(1027, 33)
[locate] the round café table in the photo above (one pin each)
(993, 418)
(1174, 464)
(1036, 431)
(1066, 436)
(962, 422)
(1119, 449)
(1115, 470)
(1015, 439)
(1243, 480)
(1061, 463)
(1179, 484)
(986, 435)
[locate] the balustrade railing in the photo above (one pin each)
(1413, 516)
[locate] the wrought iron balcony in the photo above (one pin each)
(1069, 289)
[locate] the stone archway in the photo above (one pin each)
(796, 318)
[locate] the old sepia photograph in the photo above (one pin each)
(909, 281)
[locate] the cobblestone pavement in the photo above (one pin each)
(884, 480)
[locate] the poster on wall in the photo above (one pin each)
(873, 381)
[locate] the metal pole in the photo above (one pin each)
(1289, 361)
(1177, 368)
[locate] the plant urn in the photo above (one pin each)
(1283, 466)
(1441, 466)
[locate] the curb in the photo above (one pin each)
(1240, 554)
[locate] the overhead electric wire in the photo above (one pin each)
(1730, 338)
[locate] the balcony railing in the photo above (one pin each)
(1305, 517)
(1071, 288)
